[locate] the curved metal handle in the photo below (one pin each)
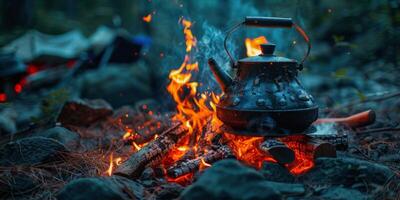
(269, 22)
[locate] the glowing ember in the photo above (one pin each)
(203, 165)
(147, 18)
(127, 135)
(137, 147)
(18, 88)
(246, 149)
(253, 45)
(3, 97)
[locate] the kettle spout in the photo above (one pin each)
(223, 79)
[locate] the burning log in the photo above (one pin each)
(319, 148)
(357, 120)
(152, 153)
(189, 166)
(310, 147)
(278, 150)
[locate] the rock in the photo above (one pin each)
(347, 171)
(339, 193)
(169, 191)
(66, 137)
(147, 174)
(228, 179)
(30, 151)
(115, 188)
(118, 84)
(286, 188)
(84, 112)
(8, 121)
(275, 172)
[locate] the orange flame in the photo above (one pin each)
(253, 47)
(147, 18)
(192, 108)
(113, 161)
(111, 165)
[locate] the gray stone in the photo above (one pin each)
(275, 172)
(169, 191)
(84, 112)
(229, 179)
(339, 193)
(118, 84)
(347, 171)
(7, 125)
(8, 121)
(286, 188)
(66, 137)
(30, 151)
(116, 188)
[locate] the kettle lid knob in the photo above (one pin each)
(267, 49)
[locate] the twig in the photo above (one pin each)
(375, 97)
(377, 130)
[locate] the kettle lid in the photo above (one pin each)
(267, 56)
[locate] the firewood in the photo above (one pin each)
(340, 141)
(278, 150)
(310, 147)
(193, 165)
(152, 153)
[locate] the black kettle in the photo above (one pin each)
(265, 98)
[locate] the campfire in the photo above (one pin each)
(143, 102)
(195, 138)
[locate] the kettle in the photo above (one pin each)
(265, 97)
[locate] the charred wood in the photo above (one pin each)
(152, 153)
(278, 150)
(193, 165)
(340, 141)
(310, 147)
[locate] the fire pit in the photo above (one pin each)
(210, 127)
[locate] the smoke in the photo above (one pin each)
(210, 36)
(326, 129)
(211, 45)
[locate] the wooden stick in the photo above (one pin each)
(152, 153)
(341, 142)
(360, 119)
(189, 166)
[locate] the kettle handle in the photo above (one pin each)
(269, 22)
